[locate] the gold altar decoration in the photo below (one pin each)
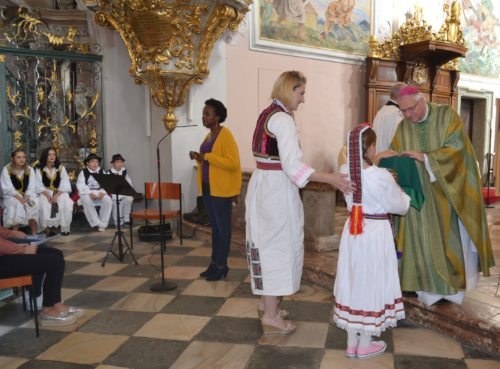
(28, 27)
(415, 29)
(51, 84)
(169, 42)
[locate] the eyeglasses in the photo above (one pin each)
(410, 108)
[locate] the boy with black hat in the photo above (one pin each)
(125, 202)
(92, 195)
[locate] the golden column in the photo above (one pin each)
(169, 42)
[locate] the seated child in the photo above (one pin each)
(92, 195)
(125, 202)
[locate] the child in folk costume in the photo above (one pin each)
(56, 207)
(92, 195)
(367, 291)
(20, 200)
(125, 202)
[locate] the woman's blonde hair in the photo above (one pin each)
(286, 83)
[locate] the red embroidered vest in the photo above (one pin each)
(264, 143)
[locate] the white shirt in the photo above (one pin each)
(385, 124)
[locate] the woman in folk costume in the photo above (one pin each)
(56, 207)
(367, 292)
(274, 212)
(20, 200)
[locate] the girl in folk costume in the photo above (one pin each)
(367, 292)
(56, 207)
(20, 200)
(125, 202)
(274, 212)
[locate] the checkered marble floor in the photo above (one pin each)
(198, 325)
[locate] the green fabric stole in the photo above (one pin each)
(407, 177)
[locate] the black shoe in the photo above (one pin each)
(208, 271)
(218, 273)
(65, 233)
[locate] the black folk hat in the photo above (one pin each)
(90, 157)
(117, 157)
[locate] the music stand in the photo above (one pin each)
(116, 185)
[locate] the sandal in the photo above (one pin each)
(270, 326)
(283, 314)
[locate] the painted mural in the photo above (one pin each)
(481, 29)
(340, 25)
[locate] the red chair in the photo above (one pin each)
(22, 282)
(169, 191)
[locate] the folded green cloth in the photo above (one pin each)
(407, 177)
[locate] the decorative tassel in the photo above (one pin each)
(356, 221)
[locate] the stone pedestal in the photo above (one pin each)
(319, 215)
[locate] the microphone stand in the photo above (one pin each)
(163, 285)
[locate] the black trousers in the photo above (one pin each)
(47, 261)
(219, 211)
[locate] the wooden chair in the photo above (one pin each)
(169, 191)
(22, 282)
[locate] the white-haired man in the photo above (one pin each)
(441, 242)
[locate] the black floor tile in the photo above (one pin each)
(42, 364)
(226, 329)
(273, 357)
(141, 270)
(244, 290)
(194, 305)
(181, 285)
(202, 261)
(146, 353)
(336, 338)
(80, 281)
(22, 342)
(12, 314)
(71, 266)
(172, 250)
(236, 275)
(308, 311)
(95, 299)
(424, 362)
(117, 322)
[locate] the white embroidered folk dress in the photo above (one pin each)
(275, 215)
(15, 212)
(367, 290)
(64, 215)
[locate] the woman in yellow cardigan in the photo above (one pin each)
(219, 180)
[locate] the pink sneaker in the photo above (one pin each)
(351, 352)
(375, 348)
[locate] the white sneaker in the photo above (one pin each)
(102, 227)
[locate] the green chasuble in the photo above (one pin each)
(433, 258)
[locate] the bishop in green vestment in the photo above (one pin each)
(446, 243)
